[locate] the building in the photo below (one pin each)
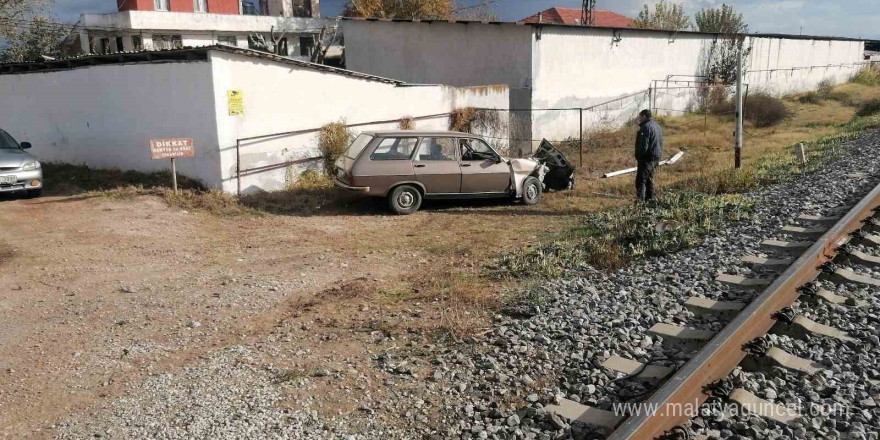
(572, 16)
(564, 77)
(254, 117)
(285, 27)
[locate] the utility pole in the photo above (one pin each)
(587, 16)
(738, 143)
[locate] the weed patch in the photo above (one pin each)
(333, 139)
(869, 108)
(612, 239)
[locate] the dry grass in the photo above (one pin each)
(332, 141)
(868, 76)
(406, 123)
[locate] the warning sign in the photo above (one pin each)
(172, 148)
(236, 102)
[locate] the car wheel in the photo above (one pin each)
(405, 199)
(532, 190)
(34, 193)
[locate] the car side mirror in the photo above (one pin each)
(25, 145)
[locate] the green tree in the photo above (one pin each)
(665, 16)
(34, 39)
(405, 9)
(723, 21)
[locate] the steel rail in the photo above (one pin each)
(685, 389)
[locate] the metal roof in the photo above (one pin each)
(609, 28)
(185, 54)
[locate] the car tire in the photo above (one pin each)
(405, 200)
(532, 190)
(34, 193)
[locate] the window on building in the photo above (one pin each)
(105, 45)
(120, 47)
(306, 46)
(161, 42)
(302, 8)
(248, 8)
(137, 42)
(228, 40)
(200, 5)
(160, 5)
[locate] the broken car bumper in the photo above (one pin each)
(347, 187)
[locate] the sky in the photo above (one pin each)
(848, 18)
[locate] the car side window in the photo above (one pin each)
(394, 149)
(441, 149)
(7, 142)
(475, 149)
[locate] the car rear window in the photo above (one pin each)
(354, 150)
(395, 149)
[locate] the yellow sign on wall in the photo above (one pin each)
(236, 102)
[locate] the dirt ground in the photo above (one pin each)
(100, 293)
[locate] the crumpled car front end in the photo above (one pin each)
(548, 164)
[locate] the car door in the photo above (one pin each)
(436, 165)
(482, 170)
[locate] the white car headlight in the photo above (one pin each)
(32, 165)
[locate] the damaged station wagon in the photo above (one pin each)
(406, 167)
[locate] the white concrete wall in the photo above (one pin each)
(105, 116)
(280, 98)
(579, 67)
(440, 53)
(809, 58)
(575, 67)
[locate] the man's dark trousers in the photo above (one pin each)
(645, 179)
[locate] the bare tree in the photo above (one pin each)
(407, 9)
(273, 44)
(15, 14)
(483, 11)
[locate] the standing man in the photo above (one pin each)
(649, 149)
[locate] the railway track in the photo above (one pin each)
(822, 242)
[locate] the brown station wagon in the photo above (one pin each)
(408, 166)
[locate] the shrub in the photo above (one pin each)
(611, 239)
(825, 87)
(472, 120)
(406, 123)
(333, 140)
(868, 76)
(718, 103)
(764, 110)
(869, 108)
(842, 97)
(810, 98)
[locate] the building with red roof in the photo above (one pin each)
(572, 16)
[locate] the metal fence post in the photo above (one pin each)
(581, 132)
(238, 166)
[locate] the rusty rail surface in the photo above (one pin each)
(724, 352)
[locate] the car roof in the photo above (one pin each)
(417, 133)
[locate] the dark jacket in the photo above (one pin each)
(649, 141)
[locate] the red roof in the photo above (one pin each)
(573, 16)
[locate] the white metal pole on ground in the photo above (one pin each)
(174, 175)
(739, 107)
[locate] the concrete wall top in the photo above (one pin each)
(441, 53)
(162, 20)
